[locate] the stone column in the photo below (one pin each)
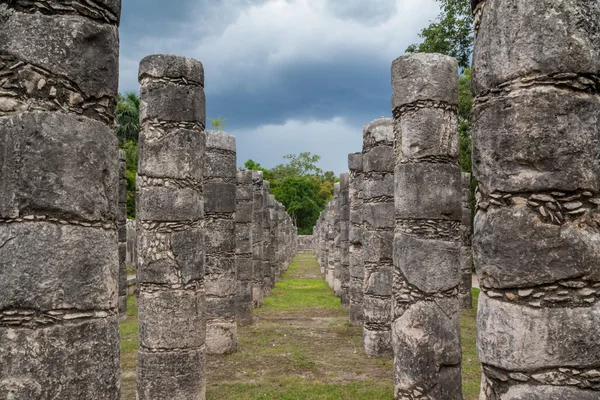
(267, 240)
(337, 266)
(257, 238)
(122, 235)
(465, 292)
(170, 240)
(243, 249)
(59, 331)
(427, 244)
(273, 218)
(331, 244)
(378, 235)
(344, 267)
(219, 208)
(357, 266)
(131, 258)
(536, 81)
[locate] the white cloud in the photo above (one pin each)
(332, 139)
(250, 50)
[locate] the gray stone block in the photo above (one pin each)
(426, 133)
(513, 248)
(424, 76)
(522, 338)
(432, 266)
(43, 176)
(378, 186)
(169, 204)
(428, 191)
(563, 33)
(219, 197)
(537, 139)
(83, 356)
(378, 246)
(171, 102)
(160, 66)
(178, 154)
(171, 319)
(38, 256)
(379, 159)
(171, 375)
(540, 392)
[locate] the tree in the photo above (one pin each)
(128, 117)
(131, 150)
(300, 186)
(465, 105)
(218, 123)
(452, 34)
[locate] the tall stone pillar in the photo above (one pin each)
(427, 244)
(536, 81)
(243, 248)
(131, 258)
(273, 224)
(59, 332)
(378, 235)
(357, 266)
(267, 240)
(344, 266)
(170, 240)
(257, 238)
(465, 292)
(122, 235)
(337, 282)
(331, 244)
(219, 208)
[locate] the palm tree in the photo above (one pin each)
(128, 117)
(218, 123)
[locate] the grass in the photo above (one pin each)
(300, 346)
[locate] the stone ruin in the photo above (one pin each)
(394, 243)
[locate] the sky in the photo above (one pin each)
(290, 76)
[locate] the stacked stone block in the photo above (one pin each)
(466, 257)
(330, 241)
(131, 258)
(356, 267)
(243, 249)
(378, 235)
(536, 81)
(59, 333)
(427, 243)
(337, 242)
(344, 266)
(170, 242)
(219, 208)
(257, 238)
(122, 235)
(268, 205)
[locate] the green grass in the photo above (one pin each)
(300, 346)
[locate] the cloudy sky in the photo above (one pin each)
(290, 76)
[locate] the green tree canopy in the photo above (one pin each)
(218, 123)
(451, 34)
(128, 117)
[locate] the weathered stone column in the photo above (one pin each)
(219, 208)
(378, 235)
(357, 266)
(465, 292)
(170, 215)
(131, 258)
(122, 235)
(257, 238)
(336, 215)
(243, 249)
(344, 266)
(427, 244)
(59, 265)
(267, 240)
(273, 218)
(536, 81)
(331, 243)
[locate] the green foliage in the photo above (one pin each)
(300, 186)
(128, 117)
(465, 104)
(218, 123)
(451, 34)
(131, 150)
